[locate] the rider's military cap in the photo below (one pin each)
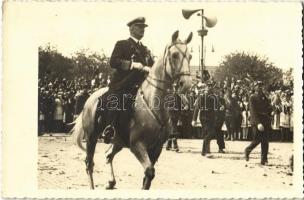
(138, 21)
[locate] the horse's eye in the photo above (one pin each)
(175, 55)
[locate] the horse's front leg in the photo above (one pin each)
(140, 151)
(110, 153)
(90, 148)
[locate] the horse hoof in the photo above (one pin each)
(110, 185)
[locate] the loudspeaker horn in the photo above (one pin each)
(187, 13)
(210, 21)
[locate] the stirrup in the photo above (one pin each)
(106, 137)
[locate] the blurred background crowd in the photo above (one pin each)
(65, 83)
(61, 100)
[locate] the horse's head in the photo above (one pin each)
(177, 62)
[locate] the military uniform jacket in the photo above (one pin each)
(208, 105)
(260, 109)
(126, 51)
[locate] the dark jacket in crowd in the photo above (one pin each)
(80, 101)
(220, 114)
(176, 106)
(49, 105)
(207, 104)
(232, 107)
(260, 109)
(69, 106)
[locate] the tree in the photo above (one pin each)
(53, 63)
(82, 64)
(241, 65)
(89, 64)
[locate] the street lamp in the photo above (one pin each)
(210, 22)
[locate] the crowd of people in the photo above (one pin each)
(61, 100)
(236, 117)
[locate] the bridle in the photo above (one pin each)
(168, 85)
(167, 54)
(172, 77)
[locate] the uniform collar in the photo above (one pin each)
(135, 40)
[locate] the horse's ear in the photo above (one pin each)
(189, 38)
(174, 36)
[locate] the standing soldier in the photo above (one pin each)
(175, 111)
(220, 118)
(207, 104)
(260, 109)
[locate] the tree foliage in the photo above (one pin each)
(89, 64)
(241, 64)
(53, 63)
(83, 63)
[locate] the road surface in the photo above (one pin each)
(61, 166)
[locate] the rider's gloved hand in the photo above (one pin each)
(146, 69)
(136, 65)
(139, 66)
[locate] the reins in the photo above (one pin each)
(154, 114)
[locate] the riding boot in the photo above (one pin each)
(109, 131)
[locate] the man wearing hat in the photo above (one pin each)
(132, 61)
(260, 110)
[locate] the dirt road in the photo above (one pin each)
(61, 166)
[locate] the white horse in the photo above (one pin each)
(149, 126)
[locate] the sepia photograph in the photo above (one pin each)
(185, 99)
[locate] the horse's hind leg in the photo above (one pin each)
(155, 153)
(140, 151)
(111, 152)
(91, 144)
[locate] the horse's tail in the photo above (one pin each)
(78, 131)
